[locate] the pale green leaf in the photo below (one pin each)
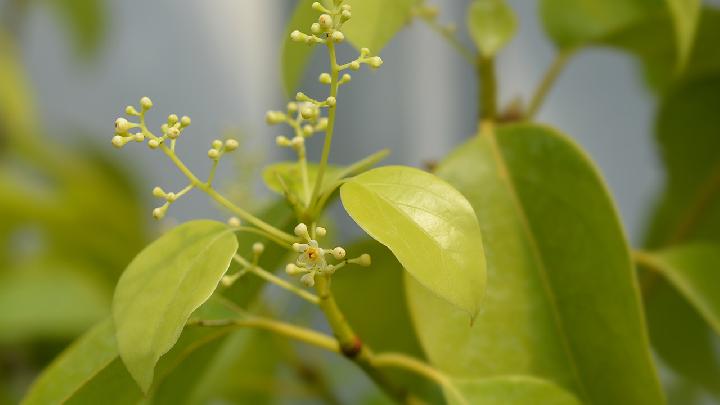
(162, 286)
(563, 304)
(512, 390)
(428, 225)
(492, 25)
(685, 15)
(375, 22)
(295, 56)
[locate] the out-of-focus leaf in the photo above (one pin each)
(49, 299)
(512, 390)
(688, 130)
(685, 15)
(373, 301)
(427, 224)
(563, 304)
(492, 25)
(295, 56)
(17, 118)
(375, 22)
(86, 21)
(289, 173)
(162, 286)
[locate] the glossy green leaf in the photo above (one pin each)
(375, 22)
(428, 225)
(564, 304)
(492, 25)
(295, 56)
(512, 390)
(162, 286)
(289, 174)
(694, 270)
(689, 136)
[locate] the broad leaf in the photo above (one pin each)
(375, 22)
(428, 225)
(492, 25)
(162, 286)
(290, 175)
(295, 56)
(563, 304)
(512, 390)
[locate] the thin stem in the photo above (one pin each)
(488, 88)
(548, 81)
(271, 278)
(213, 169)
(262, 233)
(399, 360)
(305, 335)
(334, 85)
(465, 52)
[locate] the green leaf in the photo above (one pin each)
(685, 15)
(694, 270)
(375, 22)
(428, 225)
(162, 286)
(512, 390)
(492, 25)
(295, 56)
(289, 173)
(563, 304)
(85, 21)
(687, 131)
(17, 118)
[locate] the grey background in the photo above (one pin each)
(218, 61)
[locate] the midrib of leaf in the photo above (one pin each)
(182, 280)
(691, 216)
(505, 177)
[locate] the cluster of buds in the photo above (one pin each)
(123, 128)
(328, 25)
(312, 261)
(219, 148)
(304, 116)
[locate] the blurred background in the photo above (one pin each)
(70, 201)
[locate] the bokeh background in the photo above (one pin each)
(218, 61)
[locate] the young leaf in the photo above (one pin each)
(428, 225)
(289, 174)
(685, 15)
(375, 22)
(512, 390)
(564, 304)
(162, 286)
(492, 24)
(295, 56)
(694, 270)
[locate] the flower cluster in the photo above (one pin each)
(312, 261)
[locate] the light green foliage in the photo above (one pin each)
(289, 174)
(427, 224)
(563, 303)
(685, 15)
(295, 57)
(513, 390)
(375, 22)
(86, 22)
(162, 286)
(492, 25)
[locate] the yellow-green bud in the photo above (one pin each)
(298, 36)
(171, 197)
(308, 279)
(121, 125)
(364, 260)
(158, 192)
(139, 137)
(315, 28)
(282, 141)
(308, 112)
(346, 7)
(298, 141)
(172, 119)
(338, 253)
(346, 78)
(234, 222)
(292, 107)
(346, 15)
(325, 21)
(319, 7)
(231, 145)
(159, 213)
(301, 230)
(153, 144)
(375, 62)
(331, 101)
(308, 130)
(325, 78)
(146, 103)
(213, 154)
(338, 36)
(185, 121)
(118, 141)
(320, 231)
(364, 52)
(130, 110)
(164, 128)
(292, 269)
(217, 144)
(321, 124)
(274, 117)
(355, 65)
(173, 133)
(258, 248)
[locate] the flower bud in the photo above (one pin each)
(130, 110)
(282, 141)
(321, 124)
(139, 137)
(346, 7)
(364, 260)
(172, 119)
(118, 141)
(331, 101)
(234, 222)
(292, 107)
(338, 253)
(320, 231)
(375, 62)
(173, 133)
(337, 36)
(297, 36)
(217, 144)
(158, 192)
(325, 78)
(292, 269)
(258, 248)
(364, 52)
(308, 279)
(274, 117)
(325, 21)
(185, 121)
(308, 112)
(301, 230)
(308, 130)
(319, 7)
(213, 154)
(231, 145)
(298, 141)
(146, 103)
(345, 15)
(315, 28)
(121, 125)
(171, 197)
(355, 65)
(164, 128)
(159, 213)
(153, 144)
